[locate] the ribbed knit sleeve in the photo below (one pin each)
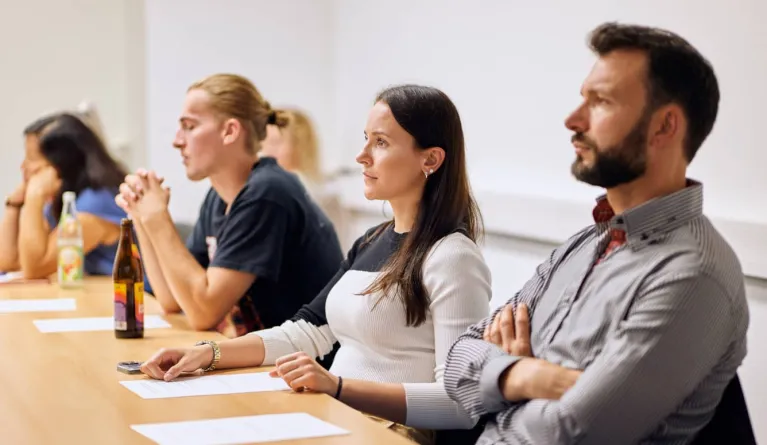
(458, 280)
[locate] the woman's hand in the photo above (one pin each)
(302, 372)
(167, 364)
(44, 183)
(18, 195)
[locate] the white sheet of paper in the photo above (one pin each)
(207, 385)
(46, 305)
(239, 430)
(92, 324)
(10, 276)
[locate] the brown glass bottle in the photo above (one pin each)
(128, 281)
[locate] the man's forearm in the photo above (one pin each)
(531, 378)
(185, 278)
(472, 370)
(483, 378)
(154, 271)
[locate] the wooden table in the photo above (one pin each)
(62, 388)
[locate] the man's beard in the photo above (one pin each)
(616, 165)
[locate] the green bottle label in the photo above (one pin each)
(70, 264)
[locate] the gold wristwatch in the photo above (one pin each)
(216, 354)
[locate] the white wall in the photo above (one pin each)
(284, 47)
(75, 50)
(514, 70)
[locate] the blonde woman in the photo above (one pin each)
(296, 148)
(260, 248)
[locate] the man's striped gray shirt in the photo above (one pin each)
(658, 326)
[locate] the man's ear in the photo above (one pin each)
(667, 125)
(231, 131)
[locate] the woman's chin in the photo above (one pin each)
(371, 194)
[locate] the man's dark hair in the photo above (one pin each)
(677, 73)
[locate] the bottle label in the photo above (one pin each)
(121, 305)
(138, 293)
(70, 267)
(121, 301)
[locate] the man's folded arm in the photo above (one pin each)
(676, 333)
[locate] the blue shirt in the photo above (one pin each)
(99, 203)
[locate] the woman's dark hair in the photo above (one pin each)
(78, 155)
(447, 204)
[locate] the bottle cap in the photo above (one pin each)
(69, 196)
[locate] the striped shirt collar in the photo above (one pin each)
(650, 221)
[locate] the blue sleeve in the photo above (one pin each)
(100, 203)
(52, 223)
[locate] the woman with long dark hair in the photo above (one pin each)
(61, 154)
(407, 289)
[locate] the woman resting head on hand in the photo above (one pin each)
(62, 154)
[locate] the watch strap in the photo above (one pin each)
(216, 354)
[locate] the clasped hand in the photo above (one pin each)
(142, 195)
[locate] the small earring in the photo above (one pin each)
(426, 175)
